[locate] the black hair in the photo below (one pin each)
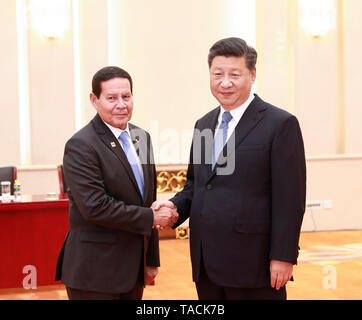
(233, 47)
(108, 73)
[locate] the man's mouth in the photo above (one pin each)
(226, 94)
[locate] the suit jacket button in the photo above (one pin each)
(209, 187)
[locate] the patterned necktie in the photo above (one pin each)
(220, 137)
(132, 160)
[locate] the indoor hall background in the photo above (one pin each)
(46, 82)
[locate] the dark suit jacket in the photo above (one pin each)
(239, 222)
(111, 235)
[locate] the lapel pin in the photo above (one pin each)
(113, 145)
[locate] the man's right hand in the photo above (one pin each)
(164, 214)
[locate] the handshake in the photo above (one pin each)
(164, 214)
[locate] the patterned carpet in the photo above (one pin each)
(329, 267)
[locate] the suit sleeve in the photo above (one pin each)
(183, 199)
(153, 254)
(288, 175)
(84, 177)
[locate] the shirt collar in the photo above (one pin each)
(117, 131)
(238, 112)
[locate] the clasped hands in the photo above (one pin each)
(164, 214)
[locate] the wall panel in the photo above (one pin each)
(9, 119)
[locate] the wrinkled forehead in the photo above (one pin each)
(116, 86)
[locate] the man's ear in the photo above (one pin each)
(93, 98)
(253, 73)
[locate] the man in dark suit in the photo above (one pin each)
(111, 250)
(245, 198)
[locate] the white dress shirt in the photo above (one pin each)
(117, 132)
(236, 113)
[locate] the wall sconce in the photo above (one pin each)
(50, 18)
(318, 16)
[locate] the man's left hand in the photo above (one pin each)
(280, 273)
(150, 275)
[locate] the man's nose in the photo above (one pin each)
(121, 103)
(226, 82)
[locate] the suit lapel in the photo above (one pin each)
(141, 145)
(249, 120)
(210, 124)
(113, 144)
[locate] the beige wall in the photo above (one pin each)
(166, 53)
(318, 80)
(304, 74)
(93, 48)
(9, 114)
(38, 179)
(272, 35)
(164, 45)
(51, 74)
(353, 70)
(336, 178)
